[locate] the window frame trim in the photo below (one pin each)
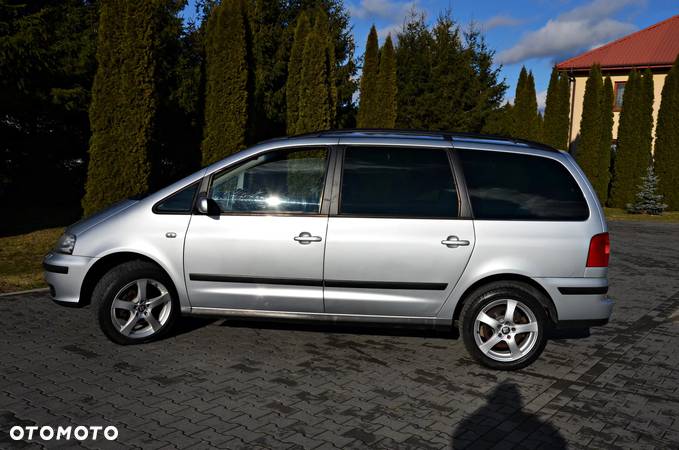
(206, 184)
(463, 206)
(615, 106)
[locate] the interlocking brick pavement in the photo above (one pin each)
(237, 384)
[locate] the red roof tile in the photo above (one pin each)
(655, 46)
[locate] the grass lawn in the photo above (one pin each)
(621, 214)
(21, 259)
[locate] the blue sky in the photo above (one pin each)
(534, 33)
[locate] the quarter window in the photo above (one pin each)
(281, 181)
(399, 182)
(509, 186)
(179, 202)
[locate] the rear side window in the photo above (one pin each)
(398, 182)
(509, 186)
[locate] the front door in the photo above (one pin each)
(396, 246)
(262, 249)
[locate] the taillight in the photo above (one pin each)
(599, 251)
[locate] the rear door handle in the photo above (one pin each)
(306, 238)
(454, 241)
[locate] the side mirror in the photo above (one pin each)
(203, 205)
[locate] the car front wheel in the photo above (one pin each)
(135, 302)
(503, 325)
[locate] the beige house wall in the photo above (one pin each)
(578, 86)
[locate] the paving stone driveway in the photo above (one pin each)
(251, 385)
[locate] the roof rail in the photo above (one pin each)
(447, 135)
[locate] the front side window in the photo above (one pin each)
(400, 182)
(509, 186)
(284, 181)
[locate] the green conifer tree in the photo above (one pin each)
(557, 109)
(227, 100)
(369, 103)
(667, 139)
(564, 111)
(645, 153)
(647, 200)
(633, 153)
(386, 86)
(526, 121)
(500, 122)
(606, 139)
(293, 85)
(124, 102)
(589, 142)
(317, 95)
(413, 74)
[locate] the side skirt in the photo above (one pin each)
(427, 322)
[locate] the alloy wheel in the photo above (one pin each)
(506, 330)
(141, 308)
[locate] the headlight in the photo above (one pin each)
(65, 244)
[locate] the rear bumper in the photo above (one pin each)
(579, 300)
(64, 274)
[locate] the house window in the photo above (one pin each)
(618, 94)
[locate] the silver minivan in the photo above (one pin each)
(502, 239)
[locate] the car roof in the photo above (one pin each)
(457, 139)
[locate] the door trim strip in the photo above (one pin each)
(315, 282)
(255, 280)
(386, 285)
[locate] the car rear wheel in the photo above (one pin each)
(503, 325)
(135, 302)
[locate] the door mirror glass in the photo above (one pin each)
(202, 205)
(287, 181)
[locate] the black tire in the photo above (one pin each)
(494, 293)
(118, 278)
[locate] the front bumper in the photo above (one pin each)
(65, 274)
(579, 299)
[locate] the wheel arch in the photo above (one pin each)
(545, 299)
(106, 263)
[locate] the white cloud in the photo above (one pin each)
(392, 29)
(500, 21)
(384, 9)
(578, 29)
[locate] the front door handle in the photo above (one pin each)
(454, 242)
(305, 238)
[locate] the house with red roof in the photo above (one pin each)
(654, 48)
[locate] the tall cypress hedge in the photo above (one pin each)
(589, 141)
(633, 154)
(226, 81)
(317, 90)
(606, 139)
(386, 85)
(293, 84)
(525, 111)
(124, 102)
(369, 103)
(667, 140)
(557, 110)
